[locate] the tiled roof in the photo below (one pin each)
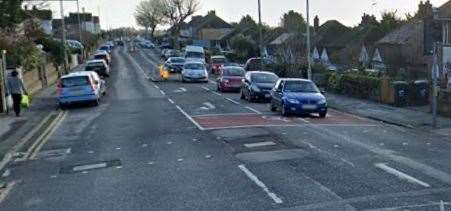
(401, 35)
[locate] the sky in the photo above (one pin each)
(119, 13)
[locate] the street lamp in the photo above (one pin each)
(260, 26)
(309, 70)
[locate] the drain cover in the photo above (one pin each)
(89, 166)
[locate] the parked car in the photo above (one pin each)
(103, 56)
(298, 96)
(230, 79)
(257, 85)
(254, 64)
(194, 71)
(147, 44)
(175, 64)
(99, 66)
(106, 48)
(216, 63)
(80, 87)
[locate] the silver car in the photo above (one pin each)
(194, 72)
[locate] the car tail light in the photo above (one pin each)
(93, 86)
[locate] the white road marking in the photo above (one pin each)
(118, 148)
(190, 118)
(208, 156)
(180, 159)
(260, 144)
(171, 101)
(213, 82)
(90, 152)
(118, 167)
(182, 89)
(162, 92)
(6, 190)
(89, 167)
(144, 145)
(216, 93)
(233, 101)
(401, 175)
(156, 86)
(224, 114)
(254, 110)
(260, 184)
(138, 66)
(209, 105)
(205, 88)
(150, 163)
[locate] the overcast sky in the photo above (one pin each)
(119, 13)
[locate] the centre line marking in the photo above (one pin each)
(260, 144)
(190, 118)
(259, 183)
(171, 101)
(254, 110)
(232, 101)
(401, 175)
(162, 92)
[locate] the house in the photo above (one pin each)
(88, 23)
(411, 46)
(207, 31)
(42, 17)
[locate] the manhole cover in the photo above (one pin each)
(90, 166)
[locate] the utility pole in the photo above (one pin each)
(79, 22)
(435, 72)
(309, 64)
(63, 26)
(260, 26)
(3, 81)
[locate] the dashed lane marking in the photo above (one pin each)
(162, 92)
(260, 184)
(233, 101)
(171, 101)
(401, 175)
(260, 144)
(254, 110)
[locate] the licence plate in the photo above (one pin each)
(309, 107)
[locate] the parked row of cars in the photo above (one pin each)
(88, 85)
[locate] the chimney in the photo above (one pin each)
(316, 23)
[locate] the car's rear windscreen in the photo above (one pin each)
(75, 81)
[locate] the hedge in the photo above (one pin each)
(355, 85)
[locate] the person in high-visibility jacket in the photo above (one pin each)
(164, 73)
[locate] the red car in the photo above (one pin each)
(230, 78)
(216, 63)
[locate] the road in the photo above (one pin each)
(175, 146)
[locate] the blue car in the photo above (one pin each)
(298, 96)
(79, 87)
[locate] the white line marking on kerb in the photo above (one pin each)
(260, 144)
(171, 101)
(232, 101)
(190, 118)
(254, 110)
(255, 179)
(401, 175)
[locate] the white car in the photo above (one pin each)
(99, 66)
(194, 72)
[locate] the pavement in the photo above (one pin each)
(405, 117)
(183, 146)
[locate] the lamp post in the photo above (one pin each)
(63, 29)
(309, 65)
(3, 81)
(260, 26)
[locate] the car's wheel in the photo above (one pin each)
(272, 107)
(322, 114)
(283, 110)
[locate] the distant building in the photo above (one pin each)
(88, 23)
(43, 17)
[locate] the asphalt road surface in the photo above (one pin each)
(176, 146)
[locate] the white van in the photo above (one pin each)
(194, 53)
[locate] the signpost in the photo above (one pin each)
(435, 75)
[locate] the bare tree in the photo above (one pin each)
(177, 11)
(149, 14)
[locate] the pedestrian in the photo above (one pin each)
(16, 89)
